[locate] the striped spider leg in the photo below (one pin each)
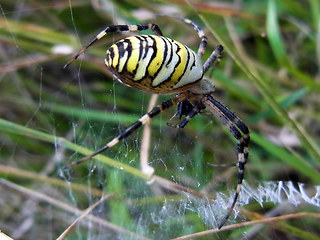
(144, 119)
(235, 126)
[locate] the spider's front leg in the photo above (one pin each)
(235, 126)
(145, 118)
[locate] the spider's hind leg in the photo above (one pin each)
(117, 28)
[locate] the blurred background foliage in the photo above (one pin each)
(50, 116)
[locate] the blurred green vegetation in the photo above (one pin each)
(50, 116)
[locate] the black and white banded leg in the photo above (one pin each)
(235, 126)
(145, 118)
(117, 28)
(203, 38)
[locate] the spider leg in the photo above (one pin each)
(215, 55)
(201, 34)
(234, 124)
(145, 118)
(117, 28)
(193, 112)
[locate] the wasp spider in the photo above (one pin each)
(161, 65)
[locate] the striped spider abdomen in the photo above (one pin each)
(154, 64)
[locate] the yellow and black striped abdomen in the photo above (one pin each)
(154, 64)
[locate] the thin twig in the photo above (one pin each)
(146, 139)
(84, 214)
(249, 223)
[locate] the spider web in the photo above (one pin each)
(147, 210)
(212, 211)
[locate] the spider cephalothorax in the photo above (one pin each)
(158, 64)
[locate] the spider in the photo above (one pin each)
(158, 64)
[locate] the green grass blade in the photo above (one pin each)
(299, 164)
(9, 127)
